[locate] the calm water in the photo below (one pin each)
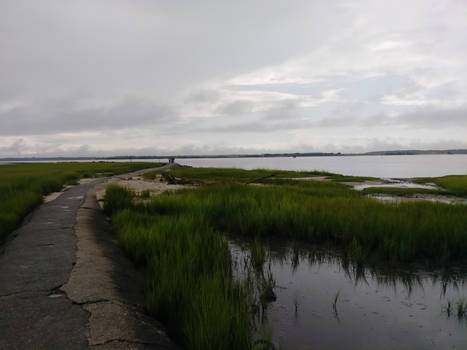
(375, 309)
(378, 166)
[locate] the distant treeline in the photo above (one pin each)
(259, 155)
(415, 152)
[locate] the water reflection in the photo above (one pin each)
(324, 300)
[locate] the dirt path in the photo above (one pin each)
(64, 284)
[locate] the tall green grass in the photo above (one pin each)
(22, 186)
(364, 227)
(189, 275)
(453, 184)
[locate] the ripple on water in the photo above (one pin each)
(322, 303)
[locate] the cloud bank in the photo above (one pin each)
(114, 77)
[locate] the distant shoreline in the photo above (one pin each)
(261, 155)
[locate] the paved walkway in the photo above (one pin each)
(55, 296)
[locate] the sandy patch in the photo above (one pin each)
(138, 184)
(86, 180)
(363, 184)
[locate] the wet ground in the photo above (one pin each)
(324, 303)
(393, 183)
(407, 183)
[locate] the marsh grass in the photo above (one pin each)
(189, 285)
(180, 237)
(363, 227)
(22, 186)
(266, 285)
(453, 184)
(258, 253)
(234, 175)
(460, 309)
(117, 198)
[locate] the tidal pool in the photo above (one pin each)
(324, 302)
(396, 184)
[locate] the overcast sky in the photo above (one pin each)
(109, 77)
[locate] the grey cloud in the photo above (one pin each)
(374, 144)
(176, 56)
(111, 45)
(422, 118)
(236, 108)
(203, 96)
(418, 118)
(285, 110)
(65, 115)
(14, 149)
(427, 118)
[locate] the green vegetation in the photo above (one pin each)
(453, 184)
(233, 174)
(315, 213)
(398, 191)
(258, 253)
(189, 276)
(257, 175)
(22, 186)
(180, 237)
(145, 194)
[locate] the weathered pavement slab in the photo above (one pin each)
(54, 295)
(107, 285)
(33, 265)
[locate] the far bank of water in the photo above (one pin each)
(324, 303)
(377, 166)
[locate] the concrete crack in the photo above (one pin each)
(92, 302)
(135, 342)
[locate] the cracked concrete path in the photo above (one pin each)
(59, 290)
(34, 263)
(107, 285)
